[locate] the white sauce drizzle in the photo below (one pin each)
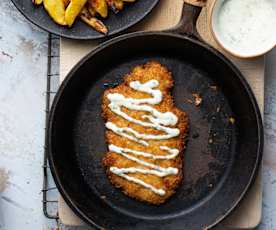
(138, 135)
(120, 132)
(156, 120)
(157, 169)
(160, 192)
(119, 150)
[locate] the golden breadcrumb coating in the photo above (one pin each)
(143, 73)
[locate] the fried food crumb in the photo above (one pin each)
(232, 120)
(214, 87)
(197, 99)
(190, 101)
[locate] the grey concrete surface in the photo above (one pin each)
(23, 55)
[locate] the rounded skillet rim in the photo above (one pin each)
(113, 41)
(75, 37)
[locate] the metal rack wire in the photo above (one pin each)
(49, 204)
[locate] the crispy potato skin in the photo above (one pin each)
(144, 73)
(92, 21)
(37, 2)
(119, 4)
(100, 6)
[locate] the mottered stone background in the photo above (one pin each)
(23, 59)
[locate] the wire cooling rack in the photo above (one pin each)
(49, 190)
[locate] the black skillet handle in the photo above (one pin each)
(190, 12)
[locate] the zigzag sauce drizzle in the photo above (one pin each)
(156, 120)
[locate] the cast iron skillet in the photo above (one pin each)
(222, 154)
(115, 23)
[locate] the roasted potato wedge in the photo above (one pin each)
(112, 6)
(73, 10)
(92, 21)
(119, 4)
(65, 12)
(56, 10)
(37, 2)
(90, 9)
(100, 6)
(85, 12)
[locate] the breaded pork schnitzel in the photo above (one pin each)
(145, 134)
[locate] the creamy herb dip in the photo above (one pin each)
(246, 26)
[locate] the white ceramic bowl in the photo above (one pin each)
(244, 28)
